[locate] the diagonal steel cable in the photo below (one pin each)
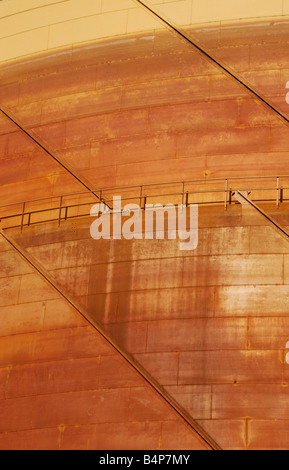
(63, 164)
(161, 392)
(215, 62)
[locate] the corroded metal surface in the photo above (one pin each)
(210, 326)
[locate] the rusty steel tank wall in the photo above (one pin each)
(62, 386)
(141, 106)
(210, 325)
(133, 96)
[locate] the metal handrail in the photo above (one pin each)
(150, 185)
(142, 196)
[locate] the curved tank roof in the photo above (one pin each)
(37, 26)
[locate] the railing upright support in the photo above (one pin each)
(140, 197)
(226, 193)
(183, 193)
(60, 209)
(23, 213)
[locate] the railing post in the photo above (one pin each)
(278, 191)
(230, 196)
(226, 193)
(140, 197)
(23, 213)
(60, 209)
(183, 193)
